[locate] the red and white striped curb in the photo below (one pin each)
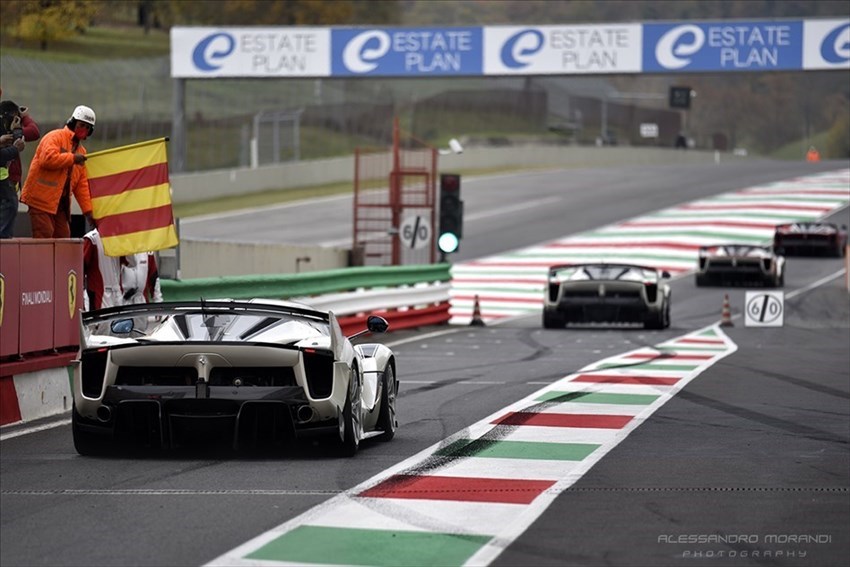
(513, 283)
(465, 499)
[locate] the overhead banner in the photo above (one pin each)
(405, 52)
(826, 44)
(558, 50)
(722, 46)
(205, 53)
(678, 47)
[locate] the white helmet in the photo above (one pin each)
(84, 114)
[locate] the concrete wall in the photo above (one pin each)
(210, 258)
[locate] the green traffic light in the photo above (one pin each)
(448, 242)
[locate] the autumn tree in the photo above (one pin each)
(46, 21)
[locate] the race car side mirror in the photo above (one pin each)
(122, 326)
(377, 324)
(374, 324)
(665, 274)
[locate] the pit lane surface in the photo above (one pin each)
(757, 446)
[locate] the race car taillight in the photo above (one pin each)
(93, 367)
(553, 291)
(319, 367)
(651, 292)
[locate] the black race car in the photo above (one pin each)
(606, 293)
(810, 239)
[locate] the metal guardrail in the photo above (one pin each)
(407, 296)
(353, 302)
(287, 286)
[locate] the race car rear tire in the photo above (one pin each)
(351, 419)
(661, 320)
(387, 420)
(553, 320)
(701, 281)
(86, 443)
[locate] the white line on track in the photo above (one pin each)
(168, 492)
(33, 429)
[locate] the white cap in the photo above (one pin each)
(84, 114)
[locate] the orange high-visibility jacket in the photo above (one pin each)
(53, 160)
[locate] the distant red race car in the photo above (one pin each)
(810, 239)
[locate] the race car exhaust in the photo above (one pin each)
(305, 413)
(104, 413)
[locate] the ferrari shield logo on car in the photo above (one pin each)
(72, 293)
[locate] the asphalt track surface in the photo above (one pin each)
(757, 446)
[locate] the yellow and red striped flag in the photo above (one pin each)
(131, 198)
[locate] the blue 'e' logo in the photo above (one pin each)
(204, 56)
(830, 49)
(515, 55)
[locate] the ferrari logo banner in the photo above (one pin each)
(131, 198)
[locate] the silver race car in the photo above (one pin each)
(612, 293)
(248, 374)
(810, 239)
(742, 264)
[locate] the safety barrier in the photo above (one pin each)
(407, 296)
(285, 286)
(41, 291)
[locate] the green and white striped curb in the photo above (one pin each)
(464, 500)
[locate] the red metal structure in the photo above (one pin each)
(394, 197)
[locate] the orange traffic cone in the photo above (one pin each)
(477, 321)
(726, 314)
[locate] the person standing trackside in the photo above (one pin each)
(102, 275)
(57, 170)
(140, 278)
(29, 129)
(11, 144)
(140, 282)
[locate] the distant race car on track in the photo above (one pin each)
(810, 239)
(606, 293)
(742, 264)
(249, 374)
